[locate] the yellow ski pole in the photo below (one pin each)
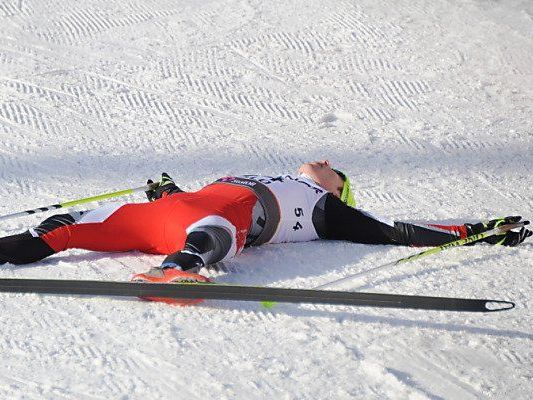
(71, 203)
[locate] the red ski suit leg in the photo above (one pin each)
(159, 227)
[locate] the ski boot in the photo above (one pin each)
(170, 275)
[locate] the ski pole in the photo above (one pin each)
(71, 203)
(337, 284)
(434, 250)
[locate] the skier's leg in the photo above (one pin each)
(23, 249)
(114, 228)
(29, 246)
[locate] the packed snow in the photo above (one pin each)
(427, 106)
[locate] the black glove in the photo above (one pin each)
(164, 187)
(508, 238)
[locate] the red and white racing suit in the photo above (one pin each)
(217, 222)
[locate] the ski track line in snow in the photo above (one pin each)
(151, 103)
(402, 138)
(433, 327)
(83, 24)
(69, 345)
(399, 93)
(28, 118)
(49, 99)
(504, 194)
(272, 157)
(13, 386)
(362, 31)
(448, 385)
(458, 385)
(305, 42)
(295, 68)
(31, 90)
(132, 358)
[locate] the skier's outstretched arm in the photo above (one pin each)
(347, 223)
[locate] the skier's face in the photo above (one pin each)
(321, 173)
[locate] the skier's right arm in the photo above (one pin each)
(165, 186)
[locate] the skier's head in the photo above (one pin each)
(332, 180)
(346, 193)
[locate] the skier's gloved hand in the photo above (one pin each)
(164, 187)
(508, 238)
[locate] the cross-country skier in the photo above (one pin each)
(195, 229)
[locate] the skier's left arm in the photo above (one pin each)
(347, 223)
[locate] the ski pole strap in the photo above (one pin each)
(71, 203)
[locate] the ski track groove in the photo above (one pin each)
(272, 157)
(358, 88)
(10, 160)
(305, 42)
(450, 144)
(14, 47)
(221, 90)
(491, 181)
(38, 390)
(23, 347)
(395, 95)
(79, 25)
(5, 58)
(28, 117)
(402, 139)
(181, 135)
(91, 105)
(205, 17)
(205, 61)
(365, 65)
(76, 347)
(103, 84)
(298, 68)
(515, 358)
(33, 90)
(95, 109)
(15, 8)
(454, 382)
(171, 112)
(363, 33)
(384, 197)
(375, 113)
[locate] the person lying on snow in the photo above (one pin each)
(195, 229)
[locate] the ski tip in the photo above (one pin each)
(498, 305)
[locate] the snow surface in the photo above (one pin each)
(426, 104)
